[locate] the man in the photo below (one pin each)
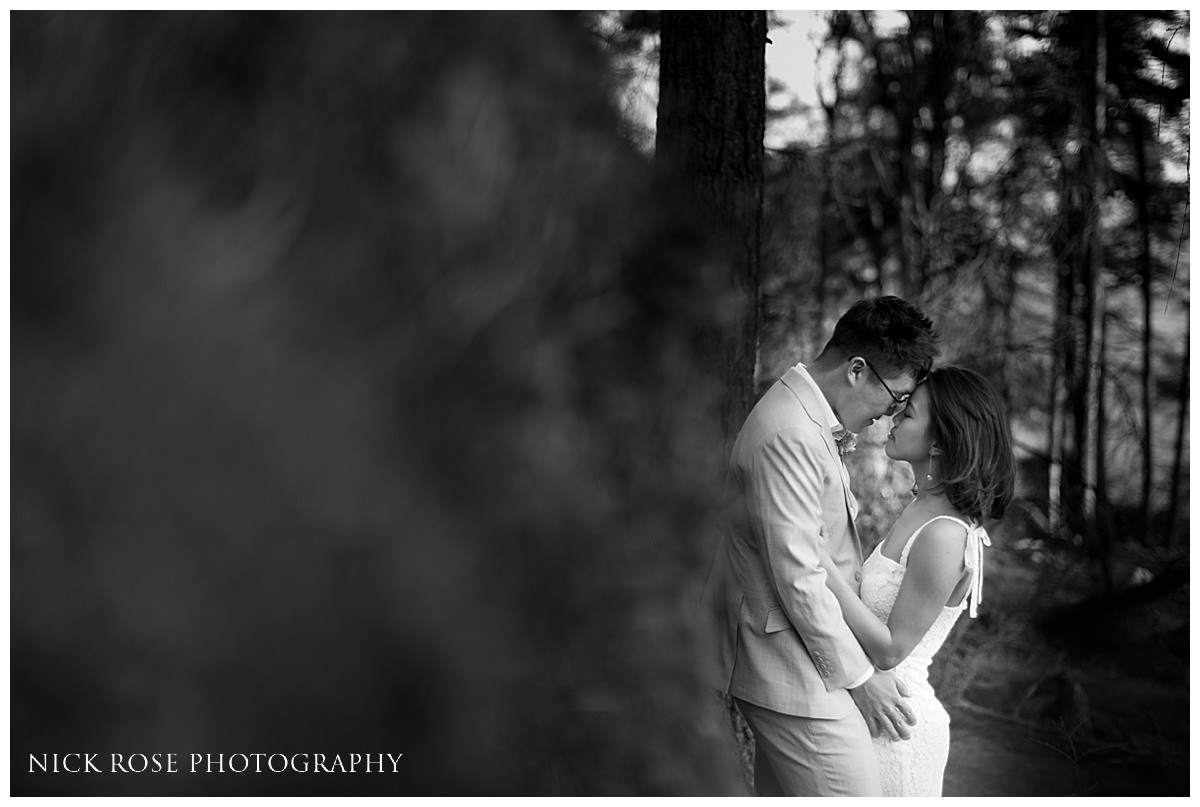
(785, 653)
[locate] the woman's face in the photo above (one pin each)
(912, 430)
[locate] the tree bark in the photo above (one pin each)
(1084, 269)
(1180, 435)
(1076, 243)
(1058, 414)
(933, 71)
(1096, 302)
(1146, 268)
(709, 150)
(829, 206)
(1101, 472)
(711, 120)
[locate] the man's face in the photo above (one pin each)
(873, 396)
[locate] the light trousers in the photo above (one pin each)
(805, 756)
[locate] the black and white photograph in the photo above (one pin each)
(570, 404)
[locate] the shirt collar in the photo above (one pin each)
(827, 413)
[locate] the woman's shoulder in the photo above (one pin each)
(951, 524)
(942, 533)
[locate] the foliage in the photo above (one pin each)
(961, 166)
(956, 195)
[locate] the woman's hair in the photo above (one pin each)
(977, 467)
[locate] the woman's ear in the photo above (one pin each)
(935, 450)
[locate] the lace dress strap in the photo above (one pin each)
(977, 539)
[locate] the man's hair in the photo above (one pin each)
(892, 334)
(976, 466)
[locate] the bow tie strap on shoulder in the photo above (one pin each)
(977, 539)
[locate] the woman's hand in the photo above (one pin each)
(829, 566)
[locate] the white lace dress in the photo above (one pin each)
(914, 767)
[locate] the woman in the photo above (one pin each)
(929, 567)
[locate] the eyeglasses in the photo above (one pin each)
(899, 399)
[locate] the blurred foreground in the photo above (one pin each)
(356, 408)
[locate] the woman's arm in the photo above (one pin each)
(935, 567)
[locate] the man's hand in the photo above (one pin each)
(882, 703)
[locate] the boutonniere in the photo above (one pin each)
(845, 440)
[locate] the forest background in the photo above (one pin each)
(1025, 178)
(371, 373)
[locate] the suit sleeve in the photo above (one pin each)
(785, 482)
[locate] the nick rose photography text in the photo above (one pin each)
(215, 763)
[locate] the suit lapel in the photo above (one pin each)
(812, 407)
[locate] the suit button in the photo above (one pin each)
(858, 577)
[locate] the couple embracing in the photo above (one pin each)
(825, 646)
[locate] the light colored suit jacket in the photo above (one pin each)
(782, 641)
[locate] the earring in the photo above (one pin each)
(916, 488)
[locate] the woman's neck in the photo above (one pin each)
(929, 493)
(923, 486)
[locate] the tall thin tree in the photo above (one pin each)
(1146, 265)
(1180, 439)
(1096, 300)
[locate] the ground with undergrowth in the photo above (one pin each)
(1097, 705)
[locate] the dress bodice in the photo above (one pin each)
(881, 579)
(915, 767)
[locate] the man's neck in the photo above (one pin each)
(824, 373)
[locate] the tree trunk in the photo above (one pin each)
(1096, 301)
(887, 202)
(1008, 318)
(1101, 474)
(829, 206)
(1146, 267)
(709, 149)
(934, 71)
(1077, 241)
(1180, 437)
(1064, 439)
(711, 120)
(909, 252)
(1084, 266)
(1058, 413)
(942, 70)
(1007, 329)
